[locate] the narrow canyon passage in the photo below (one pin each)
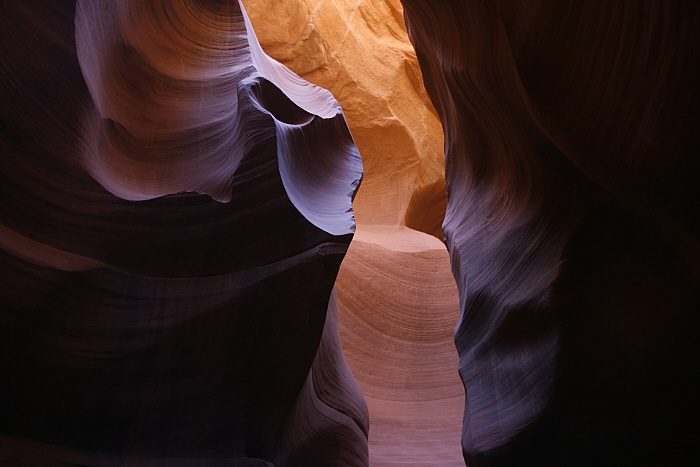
(169, 243)
(221, 233)
(397, 299)
(398, 307)
(169, 193)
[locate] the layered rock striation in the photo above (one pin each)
(399, 306)
(174, 209)
(397, 301)
(572, 181)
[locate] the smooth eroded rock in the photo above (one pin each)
(174, 208)
(572, 182)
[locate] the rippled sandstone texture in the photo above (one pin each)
(398, 306)
(174, 207)
(572, 223)
(397, 301)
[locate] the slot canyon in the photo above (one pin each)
(349, 232)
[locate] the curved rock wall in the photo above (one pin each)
(174, 208)
(360, 52)
(397, 301)
(572, 179)
(399, 306)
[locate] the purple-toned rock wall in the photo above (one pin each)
(174, 207)
(572, 223)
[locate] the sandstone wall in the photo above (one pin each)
(572, 178)
(174, 208)
(360, 52)
(396, 300)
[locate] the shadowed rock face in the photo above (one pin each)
(572, 223)
(174, 207)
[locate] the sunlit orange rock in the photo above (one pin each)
(397, 300)
(360, 52)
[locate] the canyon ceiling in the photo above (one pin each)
(358, 232)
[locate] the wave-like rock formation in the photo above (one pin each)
(397, 301)
(359, 50)
(572, 223)
(174, 208)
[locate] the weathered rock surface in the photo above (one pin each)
(359, 51)
(572, 223)
(174, 207)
